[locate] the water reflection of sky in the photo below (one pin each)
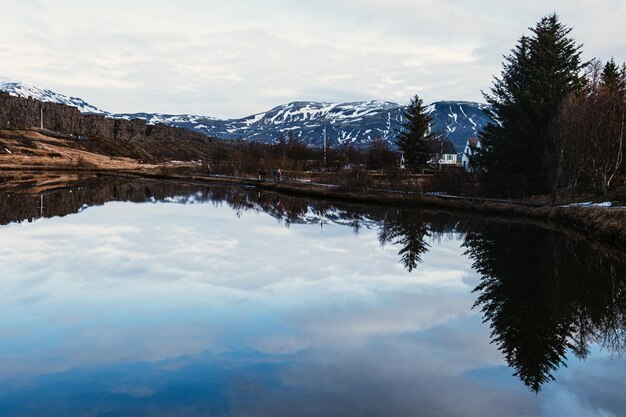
(150, 309)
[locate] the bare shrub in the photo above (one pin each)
(28, 142)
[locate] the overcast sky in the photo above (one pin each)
(235, 58)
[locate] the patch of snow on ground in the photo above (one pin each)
(605, 204)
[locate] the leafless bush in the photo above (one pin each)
(83, 163)
(589, 135)
(28, 142)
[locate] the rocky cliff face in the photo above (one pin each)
(160, 141)
(23, 113)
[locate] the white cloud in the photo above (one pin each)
(235, 59)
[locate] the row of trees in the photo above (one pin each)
(558, 120)
(292, 154)
(588, 132)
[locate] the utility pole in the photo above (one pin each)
(324, 147)
(440, 156)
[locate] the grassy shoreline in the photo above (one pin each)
(603, 224)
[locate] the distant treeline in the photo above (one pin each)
(291, 154)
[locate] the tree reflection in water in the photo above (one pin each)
(544, 294)
(408, 230)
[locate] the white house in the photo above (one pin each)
(442, 153)
(469, 151)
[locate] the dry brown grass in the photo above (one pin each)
(32, 150)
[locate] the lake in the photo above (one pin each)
(139, 298)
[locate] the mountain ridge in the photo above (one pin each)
(355, 123)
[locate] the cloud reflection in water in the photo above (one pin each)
(143, 309)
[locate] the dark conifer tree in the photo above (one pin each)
(611, 76)
(413, 139)
(542, 70)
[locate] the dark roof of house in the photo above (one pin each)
(441, 146)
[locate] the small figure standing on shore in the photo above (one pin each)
(280, 174)
(275, 173)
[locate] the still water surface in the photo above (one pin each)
(147, 299)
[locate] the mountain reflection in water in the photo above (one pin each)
(546, 294)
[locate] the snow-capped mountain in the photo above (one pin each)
(346, 122)
(26, 90)
(357, 123)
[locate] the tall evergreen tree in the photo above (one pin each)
(611, 77)
(413, 139)
(518, 153)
